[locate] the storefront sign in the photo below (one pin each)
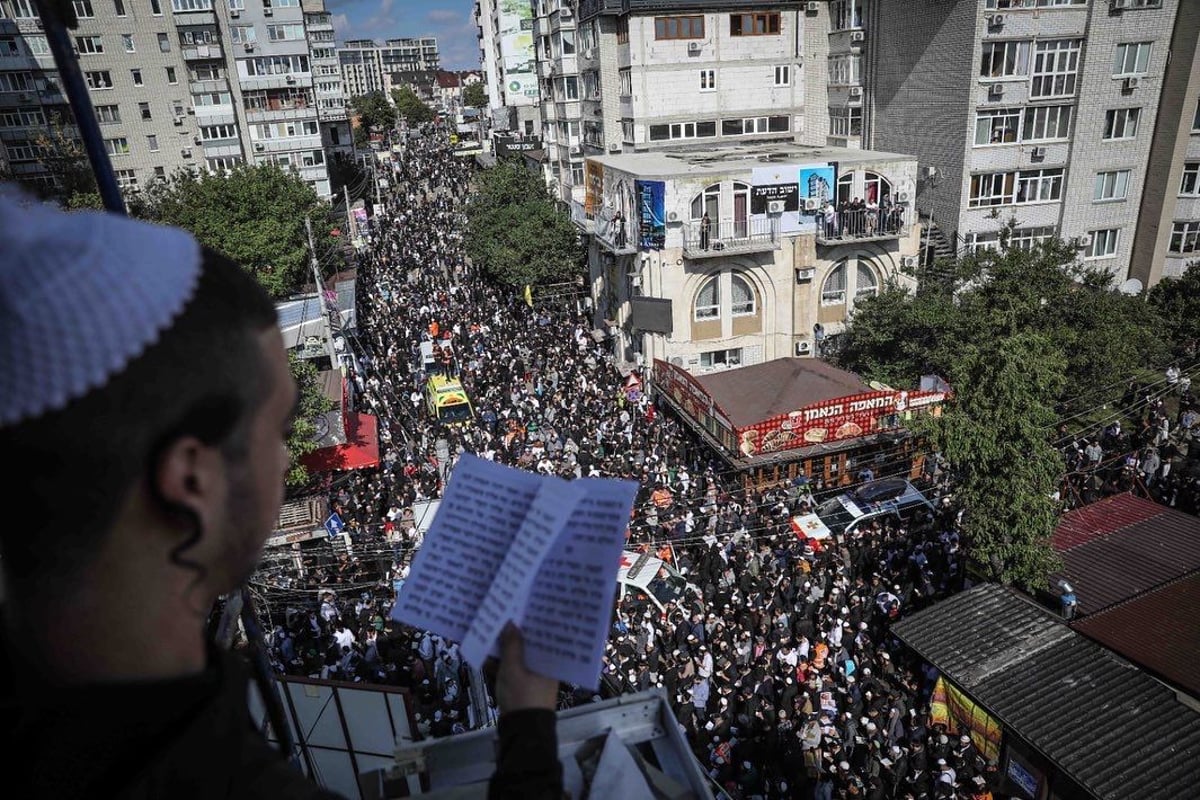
(652, 225)
(788, 193)
(690, 396)
(1023, 777)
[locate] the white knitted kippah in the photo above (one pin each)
(81, 295)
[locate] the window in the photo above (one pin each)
(1004, 59)
(783, 75)
(23, 9)
(1185, 237)
(845, 14)
(1039, 185)
(237, 5)
(1196, 119)
(156, 8)
(716, 358)
(567, 38)
(222, 163)
(87, 45)
(24, 118)
(833, 293)
(577, 173)
(117, 147)
(1046, 123)
(682, 130)
(241, 34)
(754, 125)
(119, 6)
(172, 77)
(83, 9)
(845, 70)
(1030, 238)
(997, 126)
(211, 132)
(627, 130)
(708, 300)
(212, 99)
(144, 110)
(164, 43)
(623, 30)
(1055, 62)
(708, 201)
(1111, 185)
(180, 6)
(677, 28)
(108, 115)
(708, 80)
(136, 74)
(571, 87)
(1132, 58)
(127, 42)
(37, 45)
(845, 121)
(152, 142)
(1103, 244)
(868, 284)
(765, 24)
(1190, 185)
(1007, 4)
(285, 33)
(1121, 123)
(1011, 188)
(16, 81)
(126, 178)
(8, 48)
(99, 79)
(742, 297)
(160, 173)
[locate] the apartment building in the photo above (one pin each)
(1031, 119)
(560, 90)
(506, 51)
(327, 79)
(195, 84)
(367, 66)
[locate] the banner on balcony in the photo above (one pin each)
(817, 182)
(786, 195)
(593, 187)
(652, 223)
(777, 184)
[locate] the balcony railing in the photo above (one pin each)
(730, 236)
(202, 51)
(838, 227)
(614, 233)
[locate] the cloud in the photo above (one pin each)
(441, 16)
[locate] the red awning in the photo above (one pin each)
(360, 450)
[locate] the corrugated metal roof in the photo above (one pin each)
(1115, 730)
(1159, 630)
(1122, 547)
(761, 391)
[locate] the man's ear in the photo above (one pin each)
(188, 474)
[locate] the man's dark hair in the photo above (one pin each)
(73, 468)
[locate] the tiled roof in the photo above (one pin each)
(1159, 630)
(1124, 546)
(1115, 730)
(755, 393)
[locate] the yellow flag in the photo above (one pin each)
(529, 295)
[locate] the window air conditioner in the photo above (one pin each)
(812, 7)
(804, 274)
(856, 91)
(268, 11)
(1082, 241)
(614, 148)
(290, 79)
(1132, 83)
(908, 262)
(259, 146)
(186, 152)
(902, 197)
(995, 91)
(812, 204)
(995, 21)
(564, 13)
(249, 47)
(857, 37)
(803, 347)
(929, 172)
(672, 216)
(197, 140)
(693, 47)
(1037, 152)
(576, 150)
(234, 13)
(179, 119)
(775, 206)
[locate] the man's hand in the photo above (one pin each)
(516, 687)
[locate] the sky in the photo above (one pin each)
(447, 20)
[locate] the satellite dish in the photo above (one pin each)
(1131, 286)
(880, 387)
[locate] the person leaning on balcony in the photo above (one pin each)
(705, 228)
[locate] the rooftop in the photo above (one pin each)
(710, 160)
(1123, 547)
(1104, 722)
(755, 393)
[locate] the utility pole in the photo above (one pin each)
(349, 215)
(316, 268)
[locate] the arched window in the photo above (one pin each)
(875, 187)
(845, 189)
(708, 201)
(742, 302)
(833, 293)
(866, 284)
(708, 300)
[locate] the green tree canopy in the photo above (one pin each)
(1177, 301)
(313, 403)
(253, 214)
(411, 107)
(474, 95)
(515, 230)
(995, 434)
(374, 110)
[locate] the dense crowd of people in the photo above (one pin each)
(777, 658)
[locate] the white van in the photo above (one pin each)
(644, 578)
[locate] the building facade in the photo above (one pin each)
(191, 84)
(368, 66)
(711, 259)
(558, 47)
(506, 44)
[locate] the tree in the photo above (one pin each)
(994, 433)
(1177, 301)
(410, 107)
(253, 214)
(313, 403)
(374, 111)
(516, 232)
(474, 95)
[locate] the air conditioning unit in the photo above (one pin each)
(929, 172)
(812, 7)
(249, 47)
(234, 13)
(179, 119)
(589, 54)
(614, 148)
(197, 140)
(565, 13)
(268, 11)
(672, 216)
(775, 206)
(1116, 6)
(995, 91)
(858, 37)
(1131, 83)
(1037, 152)
(804, 274)
(856, 91)
(693, 48)
(803, 348)
(1082, 241)
(908, 262)
(290, 79)
(259, 146)
(812, 204)
(576, 150)
(186, 152)
(902, 197)
(995, 21)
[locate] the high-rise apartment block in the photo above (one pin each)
(506, 50)
(196, 84)
(368, 66)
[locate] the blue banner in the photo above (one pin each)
(652, 224)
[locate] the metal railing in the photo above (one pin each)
(865, 223)
(739, 235)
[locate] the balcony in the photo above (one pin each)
(729, 237)
(614, 233)
(202, 51)
(866, 225)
